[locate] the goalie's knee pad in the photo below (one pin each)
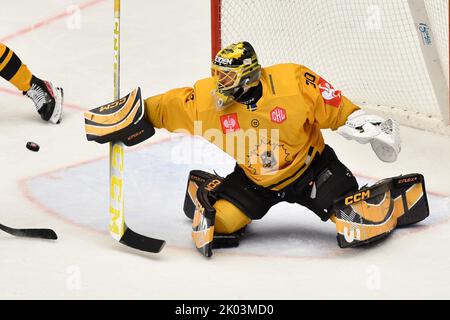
(229, 218)
(121, 120)
(373, 212)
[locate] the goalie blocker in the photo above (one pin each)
(122, 120)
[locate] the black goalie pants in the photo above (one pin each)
(240, 200)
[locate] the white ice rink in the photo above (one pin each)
(290, 254)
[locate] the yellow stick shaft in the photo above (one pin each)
(116, 49)
(116, 149)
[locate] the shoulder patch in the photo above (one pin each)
(330, 95)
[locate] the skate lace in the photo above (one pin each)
(38, 95)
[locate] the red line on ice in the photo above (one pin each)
(47, 21)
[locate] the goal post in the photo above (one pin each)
(388, 56)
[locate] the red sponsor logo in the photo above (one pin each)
(278, 115)
(331, 96)
(229, 123)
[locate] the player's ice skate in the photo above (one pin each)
(47, 98)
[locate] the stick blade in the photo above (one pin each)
(42, 233)
(140, 242)
(31, 233)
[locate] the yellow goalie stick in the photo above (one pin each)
(117, 226)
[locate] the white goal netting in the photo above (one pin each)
(376, 51)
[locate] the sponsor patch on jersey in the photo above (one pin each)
(229, 123)
(330, 95)
(278, 115)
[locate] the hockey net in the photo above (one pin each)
(388, 56)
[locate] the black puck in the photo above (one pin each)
(33, 146)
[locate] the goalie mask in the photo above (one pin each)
(235, 70)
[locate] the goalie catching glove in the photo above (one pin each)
(121, 120)
(383, 135)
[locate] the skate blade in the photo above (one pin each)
(59, 100)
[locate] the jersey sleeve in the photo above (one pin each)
(330, 109)
(174, 110)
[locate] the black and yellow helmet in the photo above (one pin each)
(235, 69)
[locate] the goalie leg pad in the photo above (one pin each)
(204, 219)
(412, 190)
(201, 197)
(199, 206)
(373, 212)
(121, 120)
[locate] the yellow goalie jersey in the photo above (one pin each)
(274, 141)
